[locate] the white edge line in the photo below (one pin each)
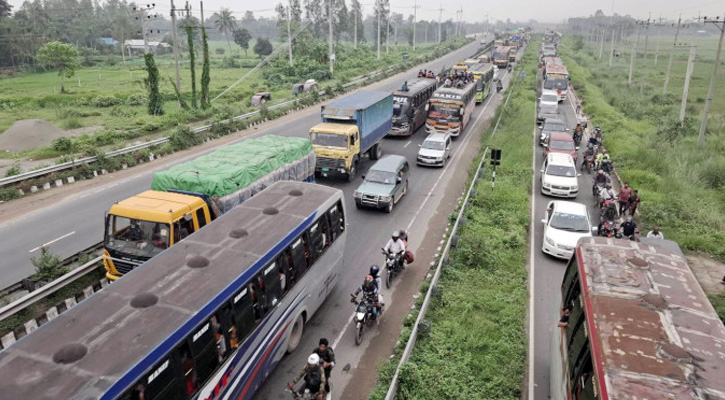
(532, 270)
(53, 241)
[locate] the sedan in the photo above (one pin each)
(566, 222)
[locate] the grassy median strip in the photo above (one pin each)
(476, 345)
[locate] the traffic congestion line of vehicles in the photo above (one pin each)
(220, 264)
(633, 320)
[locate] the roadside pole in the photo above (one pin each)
(611, 46)
(440, 15)
(331, 51)
(688, 75)
(176, 48)
(378, 41)
(415, 20)
(672, 56)
(720, 24)
(289, 36)
(634, 55)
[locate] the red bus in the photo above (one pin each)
(639, 326)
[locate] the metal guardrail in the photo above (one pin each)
(86, 160)
(45, 291)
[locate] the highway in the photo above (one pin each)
(76, 222)
(547, 271)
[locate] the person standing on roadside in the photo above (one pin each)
(623, 198)
(633, 202)
(655, 233)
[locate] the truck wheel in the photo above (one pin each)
(352, 172)
(376, 152)
(296, 334)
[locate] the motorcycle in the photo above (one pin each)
(363, 316)
(393, 267)
(596, 190)
(499, 86)
(608, 229)
(588, 162)
(510, 68)
(577, 138)
(607, 166)
(307, 395)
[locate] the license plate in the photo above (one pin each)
(325, 169)
(428, 161)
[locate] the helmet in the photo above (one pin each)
(313, 359)
(368, 278)
(374, 270)
(396, 234)
(601, 171)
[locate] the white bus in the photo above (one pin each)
(556, 78)
(207, 319)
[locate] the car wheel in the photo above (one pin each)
(389, 208)
(358, 206)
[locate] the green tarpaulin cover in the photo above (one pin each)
(230, 168)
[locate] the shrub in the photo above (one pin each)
(7, 194)
(137, 99)
(219, 50)
(63, 145)
(14, 170)
(183, 138)
(72, 122)
(105, 101)
(47, 266)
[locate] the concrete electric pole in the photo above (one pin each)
(720, 24)
(377, 11)
(329, 23)
(688, 74)
(440, 15)
(289, 36)
(634, 55)
(672, 55)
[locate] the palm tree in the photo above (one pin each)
(226, 23)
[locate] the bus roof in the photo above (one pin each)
(114, 341)
(655, 329)
(156, 206)
(556, 69)
(482, 68)
(416, 86)
(450, 93)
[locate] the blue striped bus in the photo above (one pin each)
(208, 318)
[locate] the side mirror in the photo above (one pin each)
(400, 180)
(420, 145)
(543, 221)
(542, 171)
(595, 228)
(362, 176)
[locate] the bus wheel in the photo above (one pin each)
(296, 334)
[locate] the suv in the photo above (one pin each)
(559, 176)
(385, 183)
(560, 142)
(551, 125)
(435, 150)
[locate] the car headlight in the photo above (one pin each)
(356, 194)
(546, 185)
(550, 241)
(385, 198)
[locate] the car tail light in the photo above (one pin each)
(558, 92)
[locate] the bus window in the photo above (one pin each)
(272, 285)
(284, 261)
(316, 239)
(577, 343)
(583, 380)
(204, 351)
(243, 313)
(576, 318)
(326, 233)
(201, 217)
(300, 256)
(188, 369)
(160, 384)
(337, 222)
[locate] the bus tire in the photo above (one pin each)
(295, 336)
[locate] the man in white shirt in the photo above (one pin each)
(655, 233)
(395, 244)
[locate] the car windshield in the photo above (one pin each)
(561, 170)
(328, 139)
(135, 237)
(449, 112)
(553, 125)
(385, 177)
(555, 84)
(433, 145)
(570, 222)
(550, 98)
(562, 145)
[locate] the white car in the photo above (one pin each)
(435, 150)
(559, 176)
(549, 97)
(565, 223)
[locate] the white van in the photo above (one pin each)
(559, 176)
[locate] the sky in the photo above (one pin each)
(521, 10)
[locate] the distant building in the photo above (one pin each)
(136, 47)
(108, 41)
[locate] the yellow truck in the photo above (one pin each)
(351, 126)
(188, 196)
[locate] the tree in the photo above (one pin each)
(248, 17)
(192, 63)
(156, 102)
(263, 47)
(4, 9)
(242, 38)
(61, 57)
(382, 7)
(226, 23)
(48, 266)
(205, 77)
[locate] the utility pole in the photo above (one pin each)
(611, 46)
(672, 55)
(440, 15)
(646, 39)
(355, 29)
(377, 11)
(329, 24)
(289, 36)
(720, 24)
(176, 47)
(688, 74)
(634, 55)
(415, 20)
(601, 43)
(387, 35)
(143, 16)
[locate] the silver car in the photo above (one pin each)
(435, 150)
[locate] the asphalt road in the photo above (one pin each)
(548, 271)
(76, 222)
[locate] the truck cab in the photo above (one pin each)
(336, 146)
(146, 224)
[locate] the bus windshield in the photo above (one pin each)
(400, 106)
(451, 112)
(136, 237)
(555, 83)
(328, 139)
(500, 55)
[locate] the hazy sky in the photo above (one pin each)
(523, 10)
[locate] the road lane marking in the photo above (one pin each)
(52, 241)
(532, 286)
(406, 145)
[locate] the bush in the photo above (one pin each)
(14, 170)
(183, 138)
(105, 101)
(137, 99)
(63, 145)
(71, 122)
(219, 50)
(7, 194)
(47, 266)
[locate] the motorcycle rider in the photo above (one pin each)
(499, 86)
(608, 194)
(327, 360)
(370, 293)
(395, 246)
(313, 375)
(629, 228)
(375, 273)
(602, 157)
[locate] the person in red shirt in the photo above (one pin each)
(623, 198)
